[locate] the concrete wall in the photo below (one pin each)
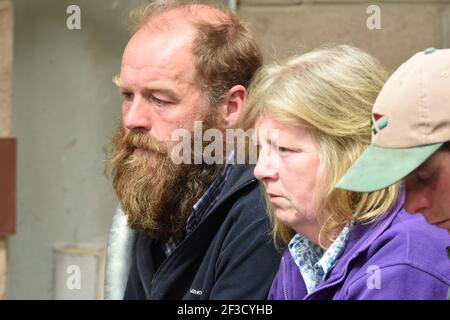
(284, 27)
(64, 104)
(6, 29)
(64, 108)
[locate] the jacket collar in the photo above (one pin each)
(360, 240)
(194, 244)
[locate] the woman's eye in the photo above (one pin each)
(283, 149)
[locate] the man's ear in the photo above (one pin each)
(233, 105)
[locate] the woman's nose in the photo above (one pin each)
(265, 167)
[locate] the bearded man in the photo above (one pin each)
(201, 231)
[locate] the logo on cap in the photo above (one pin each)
(378, 122)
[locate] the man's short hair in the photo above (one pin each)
(225, 50)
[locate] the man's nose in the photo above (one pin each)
(416, 200)
(265, 168)
(136, 116)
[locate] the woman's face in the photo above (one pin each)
(287, 166)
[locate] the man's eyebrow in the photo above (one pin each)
(158, 88)
(161, 89)
(116, 80)
(423, 166)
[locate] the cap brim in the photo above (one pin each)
(379, 167)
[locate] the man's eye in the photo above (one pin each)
(127, 96)
(424, 176)
(159, 102)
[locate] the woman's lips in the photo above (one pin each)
(443, 224)
(275, 197)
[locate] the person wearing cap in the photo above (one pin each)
(411, 138)
(311, 115)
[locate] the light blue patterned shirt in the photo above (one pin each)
(313, 261)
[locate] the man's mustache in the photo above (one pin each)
(139, 140)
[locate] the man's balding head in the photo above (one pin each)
(225, 51)
(173, 14)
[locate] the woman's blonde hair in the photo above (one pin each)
(331, 91)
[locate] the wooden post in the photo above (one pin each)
(6, 49)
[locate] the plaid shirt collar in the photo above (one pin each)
(204, 204)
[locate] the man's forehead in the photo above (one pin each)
(150, 44)
(434, 162)
(158, 54)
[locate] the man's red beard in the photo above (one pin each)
(157, 195)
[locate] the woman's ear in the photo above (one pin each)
(233, 105)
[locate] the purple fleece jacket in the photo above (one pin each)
(399, 256)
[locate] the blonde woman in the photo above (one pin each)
(311, 118)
